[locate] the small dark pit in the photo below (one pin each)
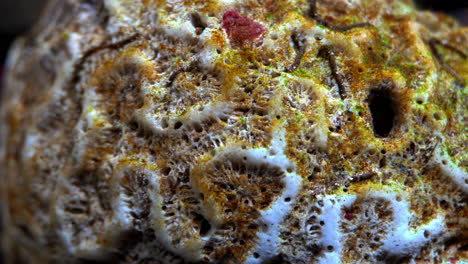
(197, 23)
(205, 226)
(383, 110)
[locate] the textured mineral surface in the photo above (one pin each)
(203, 131)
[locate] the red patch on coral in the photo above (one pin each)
(453, 260)
(349, 215)
(241, 29)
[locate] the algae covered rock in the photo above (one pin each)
(289, 131)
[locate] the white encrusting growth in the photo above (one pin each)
(227, 3)
(194, 115)
(272, 217)
(401, 240)
(207, 57)
(331, 235)
(31, 142)
(215, 110)
(179, 28)
(120, 12)
(449, 168)
(73, 43)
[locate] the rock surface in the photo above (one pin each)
(289, 131)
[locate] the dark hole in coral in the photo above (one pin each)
(253, 226)
(382, 107)
(178, 125)
(205, 226)
(198, 128)
(26, 231)
(208, 248)
(133, 125)
(197, 23)
(230, 197)
(315, 249)
(463, 248)
(278, 259)
(385, 257)
(382, 162)
(427, 234)
(166, 171)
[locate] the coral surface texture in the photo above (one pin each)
(223, 131)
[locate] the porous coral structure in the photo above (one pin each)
(203, 131)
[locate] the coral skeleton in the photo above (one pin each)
(221, 131)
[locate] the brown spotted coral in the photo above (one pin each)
(289, 131)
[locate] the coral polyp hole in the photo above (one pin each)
(166, 171)
(133, 125)
(427, 234)
(205, 226)
(198, 128)
(177, 125)
(383, 111)
(197, 23)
